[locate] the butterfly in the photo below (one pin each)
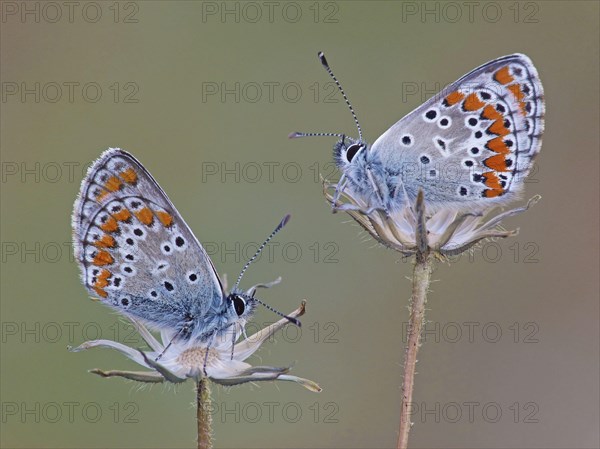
(138, 256)
(468, 148)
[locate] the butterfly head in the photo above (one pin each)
(240, 305)
(348, 151)
(237, 303)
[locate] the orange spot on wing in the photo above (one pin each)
(103, 258)
(497, 145)
(106, 241)
(113, 184)
(492, 181)
(111, 225)
(519, 95)
(102, 279)
(503, 76)
(129, 176)
(145, 216)
(454, 98)
(497, 162)
(472, 103)
(499, 128)
(122, 215)
(165, 218)
(492, 193)
(103, 193)
(490, 113)
(100, 292)
(516, 90)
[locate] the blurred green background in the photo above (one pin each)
(193, 88)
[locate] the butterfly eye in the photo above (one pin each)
(239, 304)
(352, 150)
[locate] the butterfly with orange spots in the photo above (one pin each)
(138, 256)
(468, 148)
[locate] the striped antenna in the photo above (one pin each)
(289, 318)
(344, 137)
(326, 65)
(295, 135)
(280, 226)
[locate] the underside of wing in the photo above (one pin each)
(489, 123)
(135, 251)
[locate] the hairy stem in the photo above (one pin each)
(203, 414)
(420, 285)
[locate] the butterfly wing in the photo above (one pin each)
(135, 251)
(473, 143)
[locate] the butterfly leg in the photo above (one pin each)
(339, 188)
(377, 192)
(183, 330)
(166, 373)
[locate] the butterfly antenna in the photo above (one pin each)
(277, 312)
(326, 65)
(297, 134)
(280, 226)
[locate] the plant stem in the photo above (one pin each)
(203, 414)
(421, 279)
(420, 286)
